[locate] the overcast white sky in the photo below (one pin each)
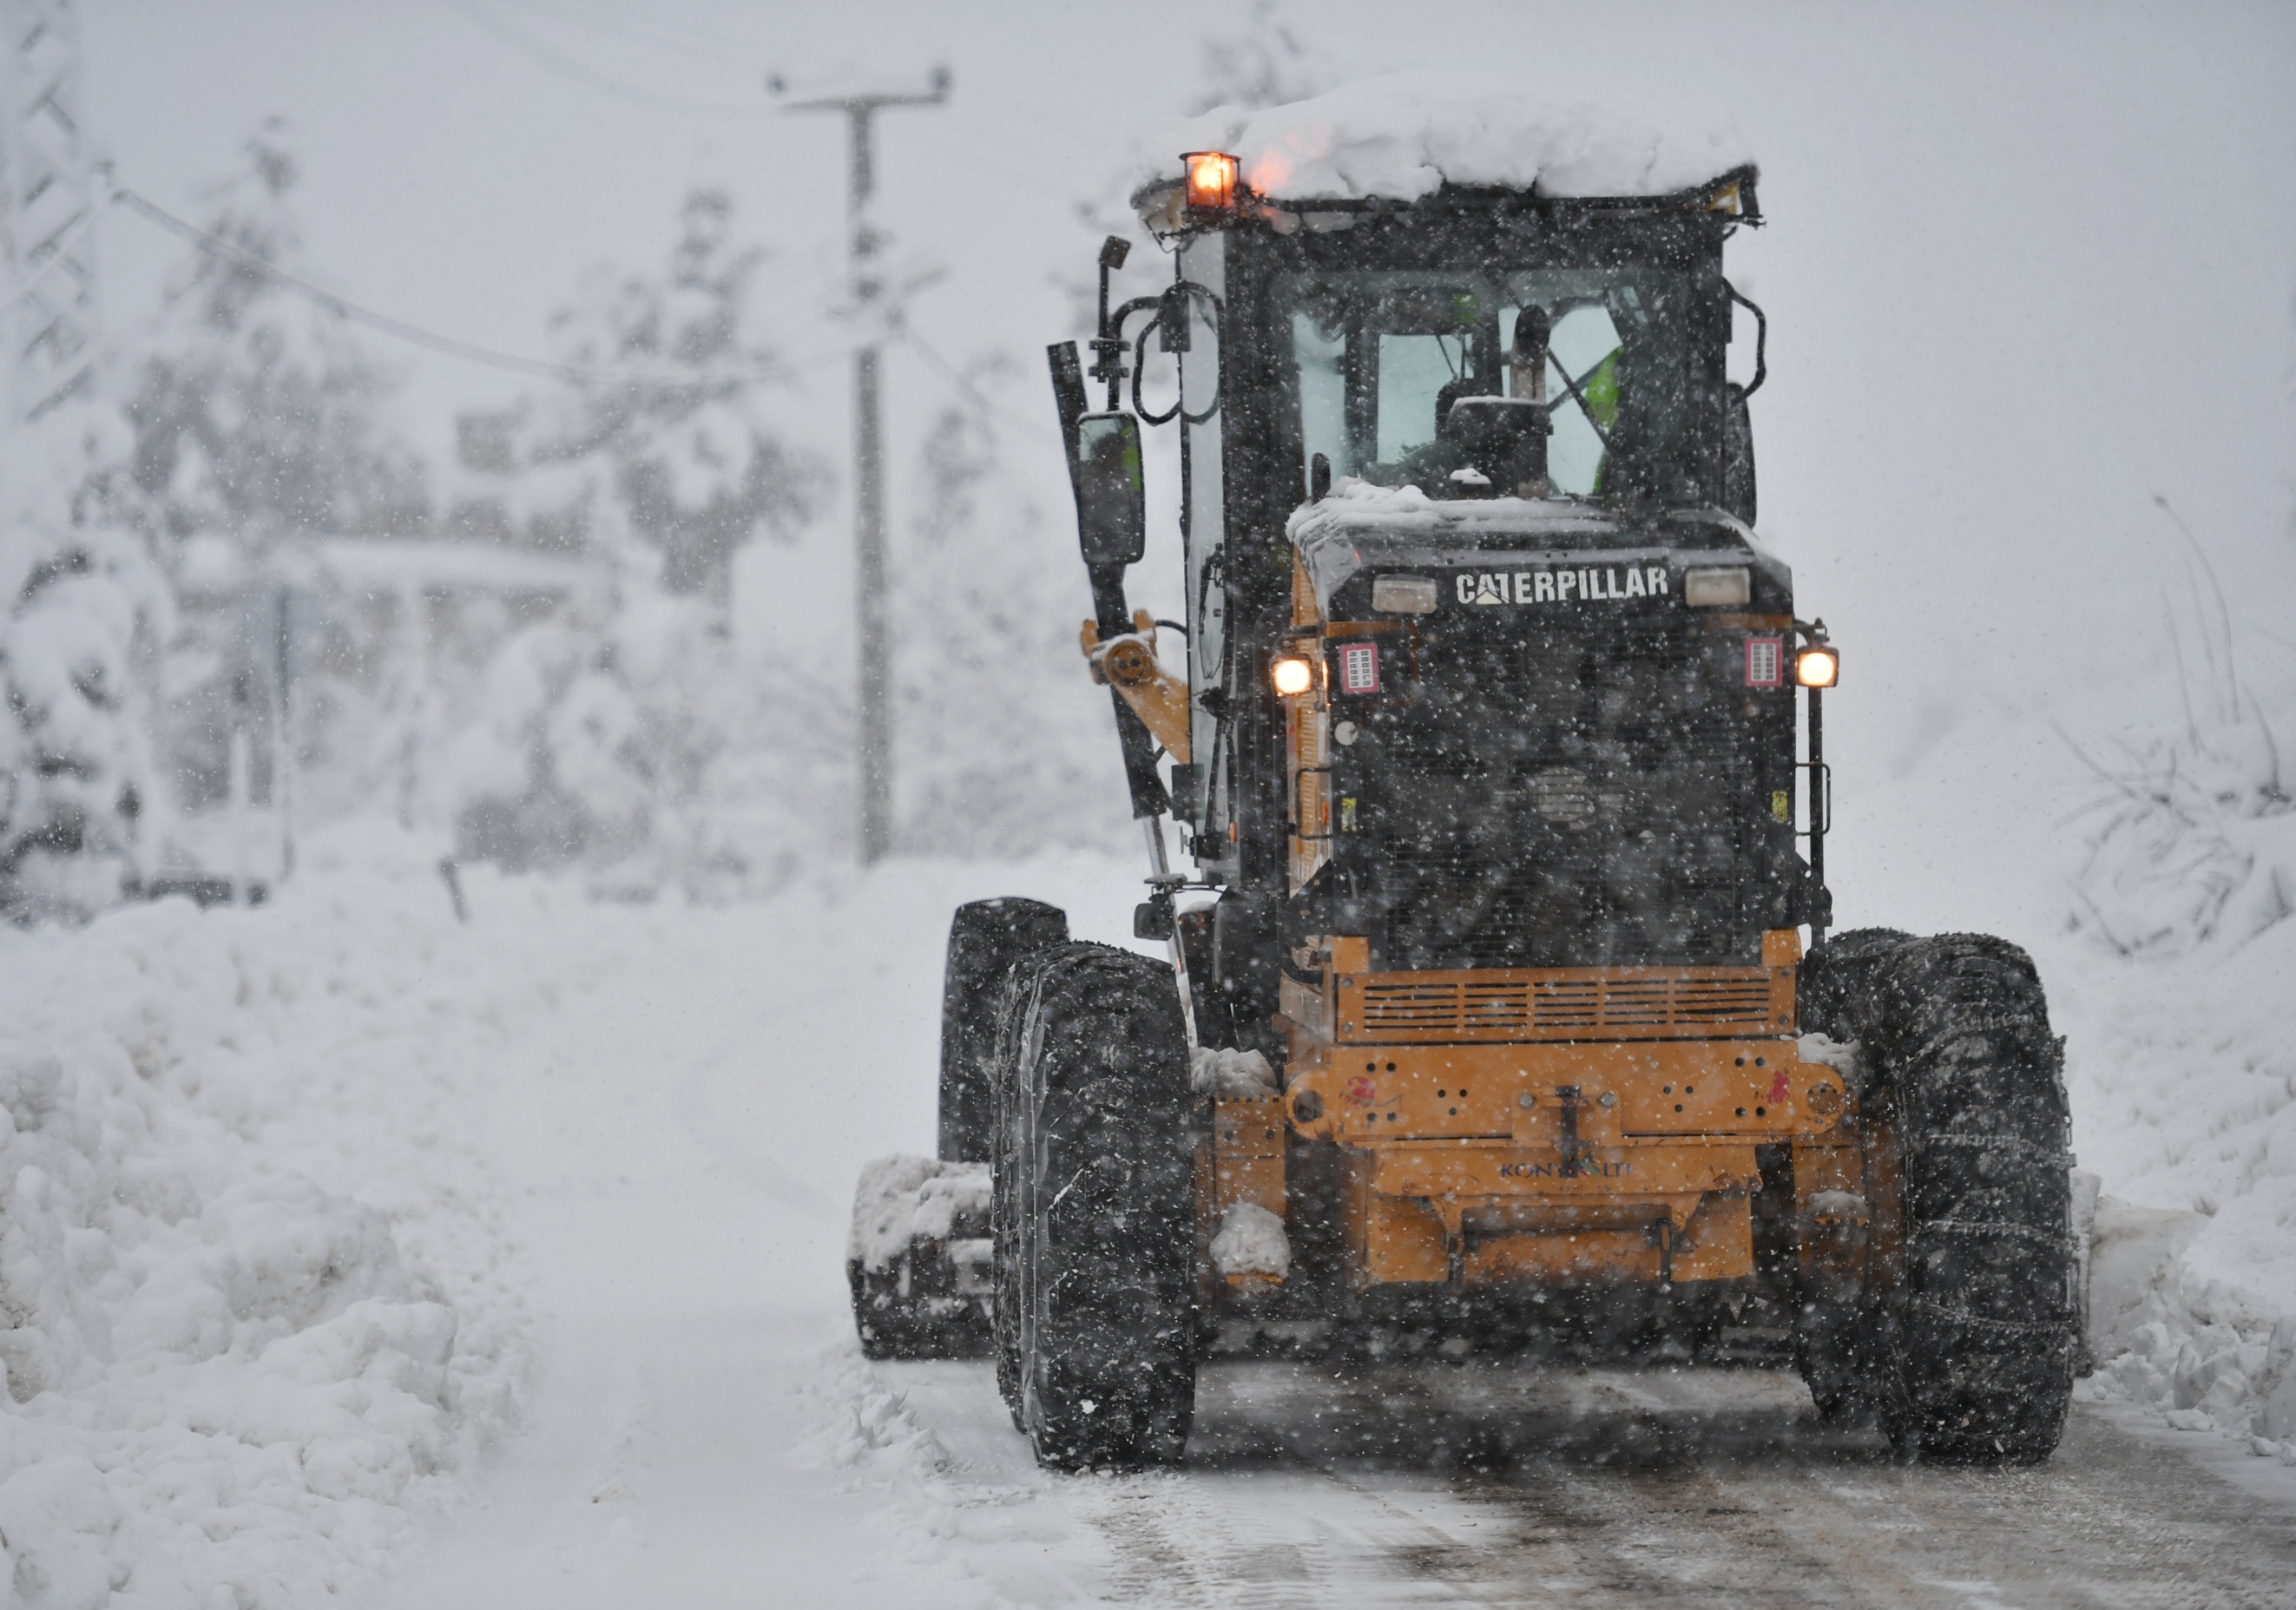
(2029, 265)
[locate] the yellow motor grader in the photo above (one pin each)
(1488, 1015)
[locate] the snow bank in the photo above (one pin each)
(227, 1383)
(2183, 1096)
(1406, 135)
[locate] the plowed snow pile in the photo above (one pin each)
(251, 1323)
(2184, 1088)
(2182, 1073)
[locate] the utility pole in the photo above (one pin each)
(870, 585)
(48, 196)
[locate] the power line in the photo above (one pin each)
(718, 48)
(471, 352)
(964, 384)
(578, 374)
(559, 60)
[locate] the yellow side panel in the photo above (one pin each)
(1577, 1255)
(1248, 1154)
(1388, 1238)
(1718, 1244)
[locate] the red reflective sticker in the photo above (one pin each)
(1781, 1087)
(1766, 662)
(1359, 668)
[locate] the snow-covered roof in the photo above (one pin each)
(1404, 135)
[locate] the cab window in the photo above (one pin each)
(1378, 356)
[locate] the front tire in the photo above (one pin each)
(1966, 1349)
(1095, 1210)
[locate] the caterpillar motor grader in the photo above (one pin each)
(1488, 1016)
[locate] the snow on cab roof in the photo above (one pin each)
(1404, 135)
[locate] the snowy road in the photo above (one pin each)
(1428, 1484)
(672, 1134)
(1448, 1485)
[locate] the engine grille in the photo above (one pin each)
(1627, 1003)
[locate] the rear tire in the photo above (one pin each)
(985, 938)
(1093, 1210)
(1970, 1358)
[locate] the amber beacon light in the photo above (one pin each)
(1292, 676)
(1211, 181)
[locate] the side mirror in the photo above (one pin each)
(1111, 494)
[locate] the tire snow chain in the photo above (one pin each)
(2008, 1327)
(1975, 1227)
(1995, 1143)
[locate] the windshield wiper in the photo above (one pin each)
(1580, 396)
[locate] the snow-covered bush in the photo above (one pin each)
(2197, 846)
(635, 744)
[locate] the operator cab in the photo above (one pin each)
(1464, 454)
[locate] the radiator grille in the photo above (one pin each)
(1646, 1003)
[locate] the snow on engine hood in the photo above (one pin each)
(1359, 524)
(1406, 135)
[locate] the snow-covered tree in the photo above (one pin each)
(256, 412)
(84, 607)
(259, 419)
(1003, 744)
(617, 735)
(675, 446)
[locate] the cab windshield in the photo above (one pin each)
(1377, 357)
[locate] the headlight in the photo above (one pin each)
(1819, 666)
(1292, 674)
(1715, 588)
(1403, 594)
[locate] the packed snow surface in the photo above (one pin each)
(1403, 135)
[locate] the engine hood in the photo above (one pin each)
(1477, 549)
